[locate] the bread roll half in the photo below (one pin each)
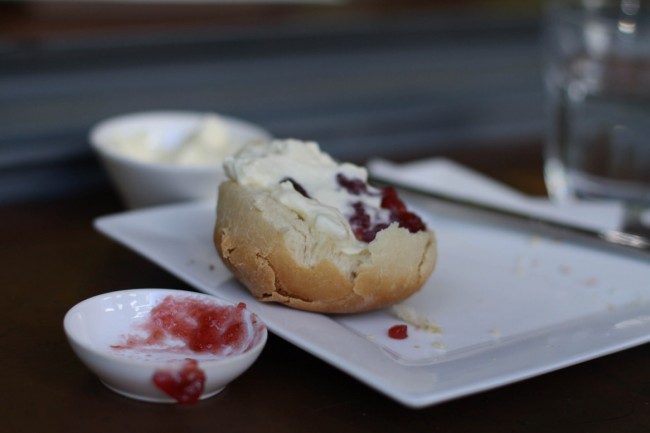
(281, 258)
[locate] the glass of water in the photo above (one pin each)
(597, 77)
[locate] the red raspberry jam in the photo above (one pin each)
(185, 385)
(361, 225)
(361, 222)
(296, 186)
(204, 327)
(353, 186)
(398, 332)
(399, 213)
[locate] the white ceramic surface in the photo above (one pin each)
(143, 183)
(94, 325)
(511, 305)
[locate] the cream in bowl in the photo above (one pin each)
(163, 345)
(163, 157)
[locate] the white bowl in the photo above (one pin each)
(96, 325)
(148, 183)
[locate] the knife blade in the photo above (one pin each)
(619, 241)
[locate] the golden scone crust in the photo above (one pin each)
(279, 258)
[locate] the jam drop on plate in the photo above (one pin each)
(398, 332)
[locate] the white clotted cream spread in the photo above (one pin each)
(328, 205)
(208, 144)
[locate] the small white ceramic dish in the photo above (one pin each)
(95, 326)
(148, 183)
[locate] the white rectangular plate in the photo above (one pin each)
(509, 305)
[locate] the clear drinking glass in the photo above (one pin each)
(597, 81)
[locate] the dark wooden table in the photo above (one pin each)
(52, 258)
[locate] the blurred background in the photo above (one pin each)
(391, 79)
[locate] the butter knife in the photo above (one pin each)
(619, 241)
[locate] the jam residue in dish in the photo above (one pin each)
(185, 384)
(203, 327)
(398, 332)
(190, 326)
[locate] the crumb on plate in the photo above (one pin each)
(412, 317)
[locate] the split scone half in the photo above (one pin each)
(298, 228)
